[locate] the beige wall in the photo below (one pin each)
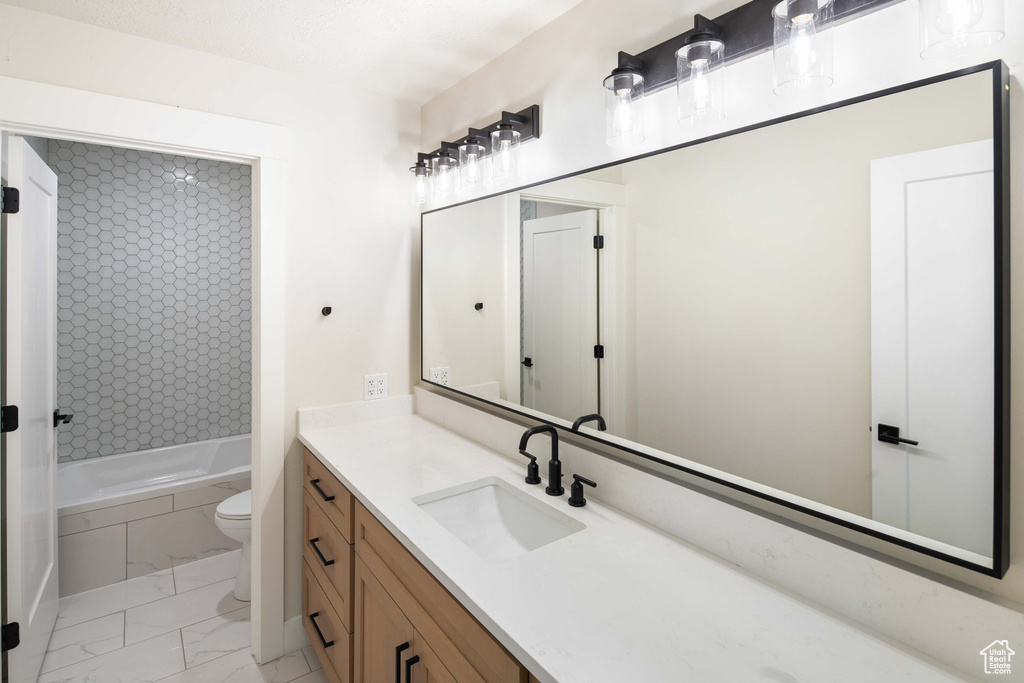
(753, 289)
(561, 67)
(350, 210)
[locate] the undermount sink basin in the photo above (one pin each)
(495, 519)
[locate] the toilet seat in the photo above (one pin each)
(237, 507)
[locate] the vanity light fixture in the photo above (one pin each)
(699, 74)
(624, 103)
(485, 154)
(421, 170)
(798, 31)
(802, 45)
(955, 27)
(473, 159)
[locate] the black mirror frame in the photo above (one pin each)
(1001, 422)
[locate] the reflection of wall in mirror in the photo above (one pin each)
(752, 274)
(463, 264)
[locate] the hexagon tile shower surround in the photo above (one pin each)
(154, 299)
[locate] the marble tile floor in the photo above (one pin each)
(179, 625)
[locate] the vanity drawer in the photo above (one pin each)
(333, 498)
(468, 651)
(329, 555)
(318, 614)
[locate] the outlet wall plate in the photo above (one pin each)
(375, 387)
(441, 375)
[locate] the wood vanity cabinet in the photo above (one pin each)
(383, 616)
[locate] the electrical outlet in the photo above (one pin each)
(442, 376)
(375, 387)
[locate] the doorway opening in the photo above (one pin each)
(128, 347)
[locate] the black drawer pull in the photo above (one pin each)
(408, 667)
(398, 661)
(323, 641)
(313, 483)
(323, 560)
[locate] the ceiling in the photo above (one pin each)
(411, 49)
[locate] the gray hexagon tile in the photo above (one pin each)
(154, 299)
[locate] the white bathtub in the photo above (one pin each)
(118, 479)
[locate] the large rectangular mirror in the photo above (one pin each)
(814, 310)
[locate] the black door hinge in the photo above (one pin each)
(11, 200)
(599, 351)
(10, 636)
(8, 419)
(598, 241)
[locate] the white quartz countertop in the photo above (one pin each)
(618, 601)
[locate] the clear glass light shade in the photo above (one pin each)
(505, 153)
(700, 82)
(445, 172)
(954, 27)
(623, 109)
(421, 183)
(472, 163)
(802, 45)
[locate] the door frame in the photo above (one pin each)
(49, 111)
(609, 199)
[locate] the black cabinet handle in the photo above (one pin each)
(890, 434)
(323, 641)
(408, 667)
(323, 560)
(398, 661)
(313, 483)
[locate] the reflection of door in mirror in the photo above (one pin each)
(932, 341)
(559, 321)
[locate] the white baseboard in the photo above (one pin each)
(294, 635)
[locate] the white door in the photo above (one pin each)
(560, 314)
(30, 260)
(932, 343)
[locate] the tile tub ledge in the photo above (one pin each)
(698, 614)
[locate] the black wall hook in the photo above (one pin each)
(325, 311)
(478, 307)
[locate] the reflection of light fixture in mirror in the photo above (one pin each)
(623, 103)
(421, 171)
(699, 74)
(955, 27)
(445, 172)
(802, 45)
(505, 152)
(472, 157)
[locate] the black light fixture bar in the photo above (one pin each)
(527, 122)
(747, 31)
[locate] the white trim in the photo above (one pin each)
(30, 108)
(295, 637)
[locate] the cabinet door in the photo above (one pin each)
(424, 666)
(383, 634)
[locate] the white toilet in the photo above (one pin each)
(234, 519)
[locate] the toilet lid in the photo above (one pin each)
(238, 506)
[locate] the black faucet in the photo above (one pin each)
(601, 426)
(554, 487)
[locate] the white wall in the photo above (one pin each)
(350, 211)
(562, 65)
(465, 265)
